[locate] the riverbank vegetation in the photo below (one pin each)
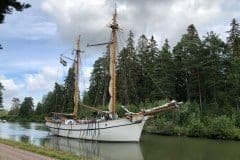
(61, 155)
(203, 72)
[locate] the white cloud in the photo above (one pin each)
(31, 24)
(163, 19)
(11, 89)
(42, 81)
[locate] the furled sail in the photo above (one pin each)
(110, 88)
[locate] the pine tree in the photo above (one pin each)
(26, 108)
(69, 91)
(145, 63)
(127, 73)
(214, 50)
(233, 76)
(164, 74)
(99, 81)
(15, 106)
(59, 93)
(49, 103)
(39, 109)
(188, 60)
(234, 38)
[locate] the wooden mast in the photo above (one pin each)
(76, 78)
(113, 53)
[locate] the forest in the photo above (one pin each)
(203, 72)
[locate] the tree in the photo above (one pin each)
(69, 91)
(233, 79)
(1, 95)
(234, 38)
(127, 73)
(99, 82)
(15, 106)
(145, 63)
(215, 53)
(26, 108)
(49, 103)
(163, 73)
(39, 109)
(188, 60)
(7, 6)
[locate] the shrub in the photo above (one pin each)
(221, 128)
(236, 118)
(179, 131)
(196, 128)
(187, 111)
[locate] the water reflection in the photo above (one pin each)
(25, 132)
(38, 134)
(103, 151)
(151, 147)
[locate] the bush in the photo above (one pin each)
(179, 131)
(187, 111)
(221, 128)
(196, 128)
(236, 118)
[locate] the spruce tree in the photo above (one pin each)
(15, 106)
(234, 38)
(145, 63)
(164, 74)
(188, 60)
(214, 69)
(39, 109)
(69, 91)
(99, 81)
(127, 73)
(26, 109)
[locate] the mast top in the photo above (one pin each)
(114, 24)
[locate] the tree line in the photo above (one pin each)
(203, 70)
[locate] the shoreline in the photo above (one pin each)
(36, 151)
(179, 131)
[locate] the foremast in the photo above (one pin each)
(76, 67)
(112, 65)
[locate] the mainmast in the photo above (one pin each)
(76, 78)
(112, 67)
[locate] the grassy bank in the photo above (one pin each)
(61, 155)
(33, 118)
(188, 121)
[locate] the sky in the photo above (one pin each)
(34, 39)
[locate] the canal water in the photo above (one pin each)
(151, 147)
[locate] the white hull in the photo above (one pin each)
(119, 130)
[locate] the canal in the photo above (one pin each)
(151, 147)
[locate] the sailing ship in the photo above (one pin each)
(110, 127)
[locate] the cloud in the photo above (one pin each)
(33, 84)
(161, 18)
(42, 81)
(11, 89)
(33, 24)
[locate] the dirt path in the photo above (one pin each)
(10, 153)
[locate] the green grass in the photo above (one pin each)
(61, 155)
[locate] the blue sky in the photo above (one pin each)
(34, 39)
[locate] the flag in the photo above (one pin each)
(63, 62)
